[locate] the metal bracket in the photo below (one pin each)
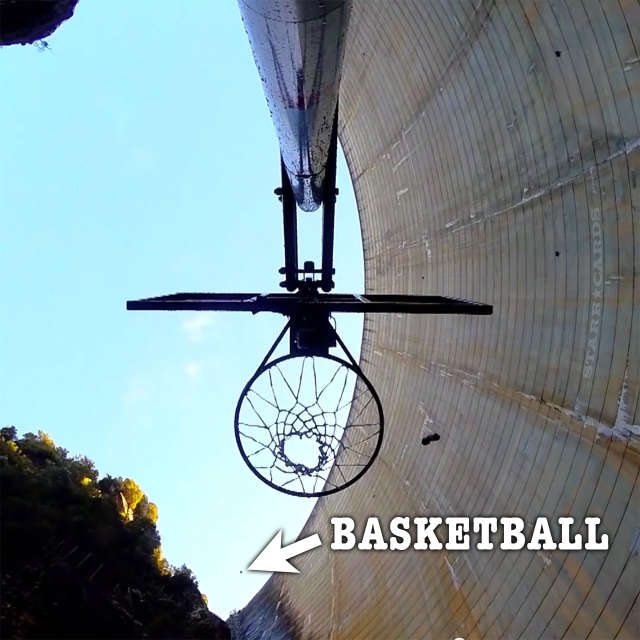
(292, 281)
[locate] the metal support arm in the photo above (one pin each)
(290, 304)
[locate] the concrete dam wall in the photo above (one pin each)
(494, 148)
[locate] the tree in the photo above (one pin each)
(75, 565)
(9, 433)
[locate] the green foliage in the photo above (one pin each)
(9, 433)
(131, 492)
(75, 563)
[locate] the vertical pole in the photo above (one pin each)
(329, 208)
(290, 224)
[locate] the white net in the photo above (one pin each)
(301, 417)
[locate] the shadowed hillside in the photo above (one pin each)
(81, 556)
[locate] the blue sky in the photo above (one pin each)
(138, 158)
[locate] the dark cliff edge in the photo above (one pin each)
(27, 21)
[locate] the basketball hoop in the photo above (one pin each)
(309, 425)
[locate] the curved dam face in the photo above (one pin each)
(494, 149)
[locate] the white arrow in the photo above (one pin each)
(274, 556)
